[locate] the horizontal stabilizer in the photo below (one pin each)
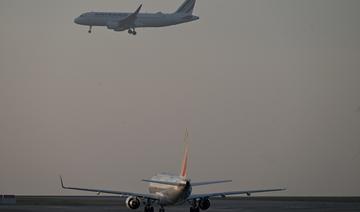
(163, 182)
(210, 182)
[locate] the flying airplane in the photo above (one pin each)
(167, 190)
(130, 21)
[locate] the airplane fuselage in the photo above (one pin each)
(170, 194)
(110, 20)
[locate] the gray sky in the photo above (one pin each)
(268, 89)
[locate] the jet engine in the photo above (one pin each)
(132, 203)
(204, 204)
(114, 26)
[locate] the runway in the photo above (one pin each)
(110, 204)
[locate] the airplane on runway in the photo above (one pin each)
(167, 190)
(130, 21)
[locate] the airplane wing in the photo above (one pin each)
(230, 193)
(121, 193)
(129, 21)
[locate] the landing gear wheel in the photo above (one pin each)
(192, 209)
(90, 30)
(132, 31)
(149, 209)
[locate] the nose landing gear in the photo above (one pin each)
(90, 29)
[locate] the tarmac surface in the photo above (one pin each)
(94, 204)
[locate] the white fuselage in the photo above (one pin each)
(170, 194)
(111, 20)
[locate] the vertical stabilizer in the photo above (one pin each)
(187, 7)
(186, 156)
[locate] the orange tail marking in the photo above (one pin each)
(186, 156)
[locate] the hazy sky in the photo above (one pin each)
(270, 92)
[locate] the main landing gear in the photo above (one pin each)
(195, 206)
(90, 29)
(132, 31)
(194, 209)
(149, 208)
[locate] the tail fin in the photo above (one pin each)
(187, 7)
(186, 156)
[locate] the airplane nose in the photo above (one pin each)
(76, 20)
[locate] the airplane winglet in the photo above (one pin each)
(138, 10)
(61, 181)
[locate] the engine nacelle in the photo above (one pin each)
(132, 203)
(114, 26)
(204, 204)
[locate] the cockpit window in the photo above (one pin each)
(85, 14)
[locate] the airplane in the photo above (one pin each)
(168, 190)
(129, 21)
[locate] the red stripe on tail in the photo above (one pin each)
(186, 156)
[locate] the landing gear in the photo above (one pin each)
(194, 206)
(132, 31)
(90, 29)
(149, 208)
(194, 209)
